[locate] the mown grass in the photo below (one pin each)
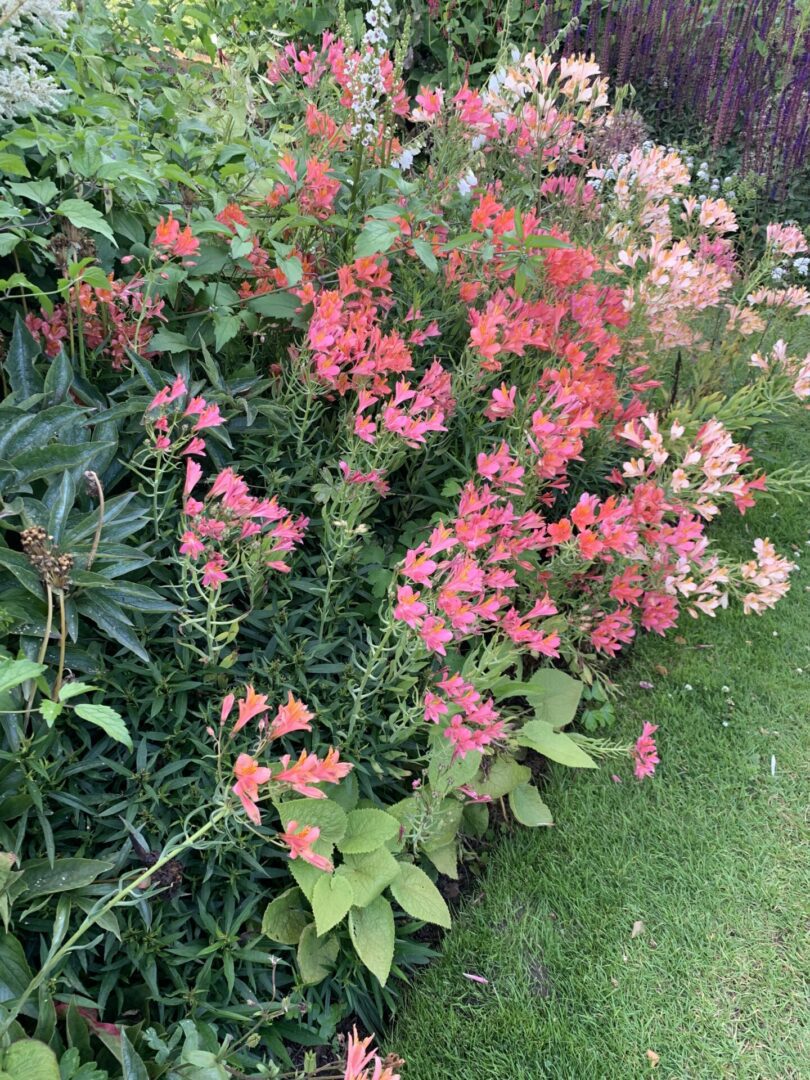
(710, 856)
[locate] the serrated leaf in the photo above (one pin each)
(38, 191)
(553, 694)
(226, 327)
(84, 216)
(367, 830)
(375, 237)
(42, 879)
(418, 896)
(50, 710)
(554, 745)
(425, 253)
(29, 1059)
(331, 899)
(371, 929)
(285, 917)
(316, 956)
(528, 808)
(445, 859)
(369, 874)
(73, 689)
(279, 305)
(110, 722)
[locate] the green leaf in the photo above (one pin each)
(58, 379)
(131, 1062)
(316, 956)
(369, 874)
(8, 241)
(445, 859)
(42, 879)
(47, 460)
(112, 624)
(15, 975)
(62, 504)
(415, 893)
(552, 744)
(331, 900)
(376, 236)
(371, 929)
(528, 807)
(38, 191)
(12, 165)
(425, 252)
(367, 830)
(325, 814)
(73, 689)
(279, 305)
(84, 216)
(30, 1060)
(50, 711)
(25, 380)
(553, 694)
(169, 341)
(110, 722)
(226, 327)
(15, 672)
(285, 917)
(503, 776)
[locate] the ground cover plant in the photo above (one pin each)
(347, 436)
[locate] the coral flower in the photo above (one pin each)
(251, 705)
(249, 774)
(294, 716)
(300, 842)
(309, 770)
(645, 752)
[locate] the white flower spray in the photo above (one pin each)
(25, 86)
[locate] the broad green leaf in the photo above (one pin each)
(13, 165)
(376, 236)
(503, 776)
(552, 744)
(25, 380)
(367, 830)
(285, 917)
(528, 807)
(30, 1060)
(226, 327)
(84, 216)
(369, 874)
(553, 694)
(279, 305)
(42, 879)
(425, 252)
(331, 899)
(38, 191)
(58, 379)
(445, 859)
(50, 710)
(15, 672)
(131, 1061)
(415, 893)
(34, 464)
(445, 773)
(8, 241)
(325, 814)
(316, 956)
(371, 929)
(110, 722)
(170, 341)
(307, 875)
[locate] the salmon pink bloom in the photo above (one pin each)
(166, 232)
(502, 404)
(309, 770)
(168, 394)
(196, 448)
(300, 841)
(227, 705)
(251, 705)
(645, 752)
(249, 774)
(191, 545)
(213, 574)
(294, 716)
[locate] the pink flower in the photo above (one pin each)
(409, 608)
(249, 774)
(191, 544)
(294, 716)
(168, 394)
(645, 752)
(309, 770)
(251, 705)
(435, 635)
(300, 841)
(195, 448)
(213, 574)
(193, 474)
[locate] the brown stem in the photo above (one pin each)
(57, 686)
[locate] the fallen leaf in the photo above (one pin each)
(475, 978)
(661, 669)
(653, 1058)
(679, 640)
(638, 928)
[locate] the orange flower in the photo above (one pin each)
(300, 844)
(294, 716)
(249, 774)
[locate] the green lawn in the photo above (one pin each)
(711, 856)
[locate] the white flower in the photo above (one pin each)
(466, 184)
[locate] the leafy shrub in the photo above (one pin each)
(373, 432)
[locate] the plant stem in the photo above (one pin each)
(99, 493)
(57, 686)
(42, 648)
